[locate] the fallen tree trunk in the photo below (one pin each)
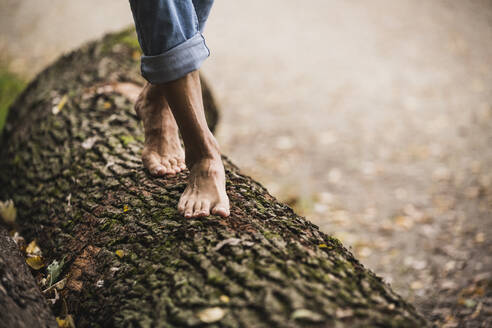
(71, 163)
(21, 302)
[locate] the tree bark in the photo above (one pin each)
(21, 302)
(75, 175)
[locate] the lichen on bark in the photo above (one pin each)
(132, 260)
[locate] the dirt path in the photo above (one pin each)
(374, 119)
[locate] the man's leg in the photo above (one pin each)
(169, 33)
(162, 153)
(172, 45)
(205, 192)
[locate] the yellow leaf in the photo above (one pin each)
(107, 105)
(224, 298)
(125, 208)
(60, 105)
(120, 253)
(66, 322)
(322, 246)
(35, 262)
(33, 249)
(8, 211)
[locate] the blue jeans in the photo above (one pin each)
(170, 35)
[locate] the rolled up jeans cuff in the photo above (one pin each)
(175, 62)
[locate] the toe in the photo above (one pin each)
(197, 209)
(188, 212)
(176, 168)
(181, 164)
(169, 169)
(205, 208)
(152, 163)
(182, 205)
(220, 211)
(221, 208)
(173, 165)
(157, 170)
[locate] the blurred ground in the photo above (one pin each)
(373, 119)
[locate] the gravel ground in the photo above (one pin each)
(373, 119)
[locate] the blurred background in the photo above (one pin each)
(371, 118)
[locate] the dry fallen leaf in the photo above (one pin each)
(19, 240)
(35, 262)
(56, 109)
(66, 322)
(33, 249)
(8, 212)
(210, 315)
(89, 142)
(306, 315)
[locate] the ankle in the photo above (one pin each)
(207, 150)
(196, 159)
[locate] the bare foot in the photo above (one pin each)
(162, 153)
(205, 192)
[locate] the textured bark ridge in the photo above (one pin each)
(75, 174)
(21, 302)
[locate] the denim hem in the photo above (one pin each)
(176, 62)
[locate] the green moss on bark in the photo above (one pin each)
(10, 87)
